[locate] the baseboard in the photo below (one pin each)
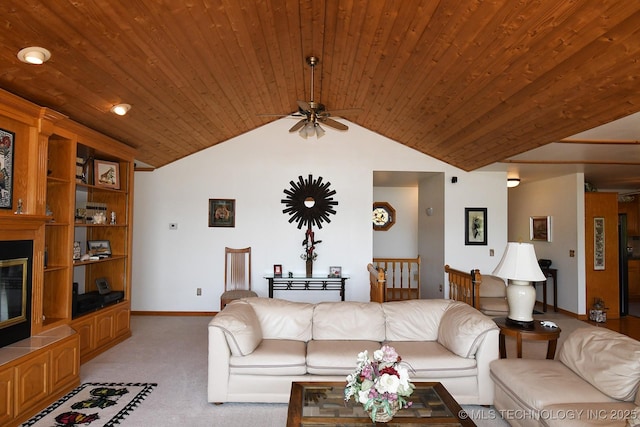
(174, 313)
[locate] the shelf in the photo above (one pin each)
(80, 224)
(51, 268)
(81, 185)
(54, 179)
(98, 261)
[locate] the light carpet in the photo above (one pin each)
(93, 405)
(172, 351)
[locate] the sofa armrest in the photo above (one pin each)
(487, 352)
(218, 365)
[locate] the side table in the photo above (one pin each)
(538, 333)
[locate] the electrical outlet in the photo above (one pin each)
(199, 292)
(173, 226)
(440, 288)
(572, 253)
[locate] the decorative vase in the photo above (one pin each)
(381, 415)
(309, 268)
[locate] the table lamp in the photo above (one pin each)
(519, 266)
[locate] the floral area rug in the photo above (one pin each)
(93, 405)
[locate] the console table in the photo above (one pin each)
(303, 283)
(549, 273)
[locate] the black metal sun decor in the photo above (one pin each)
(309, 202)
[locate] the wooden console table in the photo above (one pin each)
(549, 273)
(303, 283)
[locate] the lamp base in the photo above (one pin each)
(520, 324)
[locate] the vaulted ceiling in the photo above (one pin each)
(467, 82)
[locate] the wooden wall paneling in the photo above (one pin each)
(605, 283)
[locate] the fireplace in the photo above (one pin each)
(16, 260)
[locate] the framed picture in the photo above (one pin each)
(222, 212)
(277, 270)
(598, 243)
(335, 271)
(475, 226)
(540, 228)
(6, 168)
(106, 174)
(103, 286)
(100, 248)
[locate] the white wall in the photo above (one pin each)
(401, 240)
(561, 198)
(254, 169)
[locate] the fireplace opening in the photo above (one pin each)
(16, 259)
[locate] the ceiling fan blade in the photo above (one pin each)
(298, 125)
(304, 106)
(332, 123)
(273, 115)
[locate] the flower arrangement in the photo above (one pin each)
(381, 385)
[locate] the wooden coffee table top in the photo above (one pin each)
(322, 404)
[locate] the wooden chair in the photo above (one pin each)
(484, 292)
(237, 275)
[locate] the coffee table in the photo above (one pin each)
(322, 404)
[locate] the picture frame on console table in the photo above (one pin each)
(7, 142)
(475, 226)
(277, 270)
(335, 271)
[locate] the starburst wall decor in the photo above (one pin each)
(309, 202)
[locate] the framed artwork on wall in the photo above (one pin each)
(7, 139)
(222, 212)
(598, 243)
(540, 228)
(475, 226)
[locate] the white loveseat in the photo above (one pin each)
(593, 382)
(258, 346)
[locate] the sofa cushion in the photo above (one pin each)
(462, 329)
(240, 324)
(413, 320)
(538, 383)
(348, 321)
(606, 359)
(281, 319)
(586, 414)
(430, 359)
(339, 357)
(272, 357)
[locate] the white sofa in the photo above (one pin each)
(593, 382)
(258, 346)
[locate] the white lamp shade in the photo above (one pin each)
(519, 262)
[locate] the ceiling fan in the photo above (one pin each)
(314, 113)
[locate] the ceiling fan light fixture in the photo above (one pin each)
(121, 109)
(34, 55)
(513, 182)
(319, 131)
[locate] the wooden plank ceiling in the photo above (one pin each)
(467, 82)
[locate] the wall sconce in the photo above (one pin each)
(120, 109)
(34, 55)
(513, 182)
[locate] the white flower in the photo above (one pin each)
(378, 354)
(388, 384)
(363, 396)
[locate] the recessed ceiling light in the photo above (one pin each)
(34, 55)
(121, 109)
